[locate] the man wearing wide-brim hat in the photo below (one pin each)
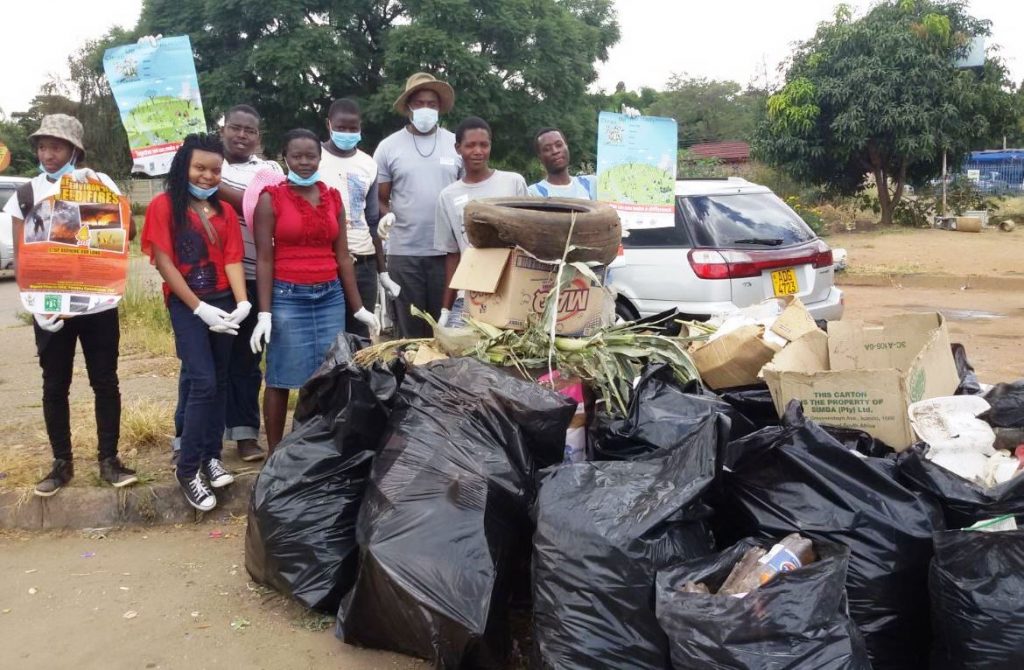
(413, 165)
(59, 148)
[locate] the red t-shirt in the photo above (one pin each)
(304, 235)
(199, 260)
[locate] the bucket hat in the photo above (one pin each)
(420, 81)
(63, 127)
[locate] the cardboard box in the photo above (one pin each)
(506, 287)
(736, 358)
(866, 377)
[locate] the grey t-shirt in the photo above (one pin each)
(449, 229)
(418, 167)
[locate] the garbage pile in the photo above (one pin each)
(498, 497)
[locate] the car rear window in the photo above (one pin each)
(745, 220)
(5, 195)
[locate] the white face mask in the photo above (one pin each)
(424, 119)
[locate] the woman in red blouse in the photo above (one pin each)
(304, 275)
(196, 244)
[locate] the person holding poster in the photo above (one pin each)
(195, 242)
(59, 148)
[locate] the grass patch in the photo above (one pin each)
(145, 322)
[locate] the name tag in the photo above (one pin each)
(460, 200)
(447, 161)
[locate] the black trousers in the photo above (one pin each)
(100, 336)
(422, 282)
(366, 280)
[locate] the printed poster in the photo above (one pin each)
(73, 255)
(636, 168)
(157, 93)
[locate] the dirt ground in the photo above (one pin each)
(64, 597)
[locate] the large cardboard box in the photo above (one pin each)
(736, 358)
(505, 287)
(865, 377)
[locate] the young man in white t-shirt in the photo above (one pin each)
(353, 173)
(480, 180)
(553, 152)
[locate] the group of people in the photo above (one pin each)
(306, 247)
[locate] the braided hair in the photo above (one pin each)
(176, 182)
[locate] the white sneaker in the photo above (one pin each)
(216, 474)
(197, 493)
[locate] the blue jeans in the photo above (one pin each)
(204, 356)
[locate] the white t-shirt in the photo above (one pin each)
(583, 187)
(353, 177)
(238, 175)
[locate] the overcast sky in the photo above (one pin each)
(739, 40)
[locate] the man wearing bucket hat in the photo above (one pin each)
(59, 148)
(413, 166)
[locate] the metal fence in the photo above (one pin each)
(1006, 178)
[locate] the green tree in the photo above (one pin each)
(708, 110)
(23, 161)
(519, 64)
(880, 97)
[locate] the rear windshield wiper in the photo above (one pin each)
(767, 241)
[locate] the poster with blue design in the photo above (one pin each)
(157, 93)
(636, 168)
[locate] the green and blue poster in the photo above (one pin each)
(157, 92)
(636, 168)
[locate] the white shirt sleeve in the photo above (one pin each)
(444, 233)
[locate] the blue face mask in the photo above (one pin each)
(345, 141)
(202, 193)
(299, 181)
(68, 168)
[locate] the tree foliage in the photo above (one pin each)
(708, 110)
(881, 96)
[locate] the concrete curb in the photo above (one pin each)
(76, 508)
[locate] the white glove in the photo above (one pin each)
(215, 318)
(442, 320)
(82, 175)
(384, 225)
(631, 112)
(242, 310)
(367, 317)
(390, 287)
(149, 40)
(261, 333)
(50, 324)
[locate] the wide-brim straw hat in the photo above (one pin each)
(423, 80)
(63, 127)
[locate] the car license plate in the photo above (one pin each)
(784, 282)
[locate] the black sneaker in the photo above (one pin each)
(197, 493)
(116, 474)
(250, 450)
(216, 474)
(59, 476)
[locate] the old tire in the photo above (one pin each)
(541, 226)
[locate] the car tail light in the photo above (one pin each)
(736, 264)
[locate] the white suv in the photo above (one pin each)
(734, 244)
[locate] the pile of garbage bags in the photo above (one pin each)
(431, 509)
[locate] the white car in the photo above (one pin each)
(8, 187)
(734, 244)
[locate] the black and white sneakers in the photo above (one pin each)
(197, 493)
(60, 474)
(216, 474)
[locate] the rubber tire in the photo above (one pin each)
(541, 226)
(625, 311)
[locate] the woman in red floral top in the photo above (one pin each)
(304, 275)
(196, 244)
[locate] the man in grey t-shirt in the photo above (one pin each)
(473, 142)
(413, 166)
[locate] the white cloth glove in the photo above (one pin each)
(50, 324)
(367, 317)
(384, 225)
(631, 112)
(261, 333)
(215, 318)
(390, 287)
(242, 310)
(442, 320)
(82, 175)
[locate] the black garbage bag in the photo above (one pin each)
(969, 384)
(664, 415)
(797, 620)
(753, 402)
(797, 478)
(963, 502)
(300, 537)
(977, 589)
(445, 523)
(603, 531)
(1007, 401)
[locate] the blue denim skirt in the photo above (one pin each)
(305, 320)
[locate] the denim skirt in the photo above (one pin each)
(305, 320)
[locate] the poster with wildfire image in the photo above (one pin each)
(73, 255)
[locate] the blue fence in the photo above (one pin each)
(996, 172)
